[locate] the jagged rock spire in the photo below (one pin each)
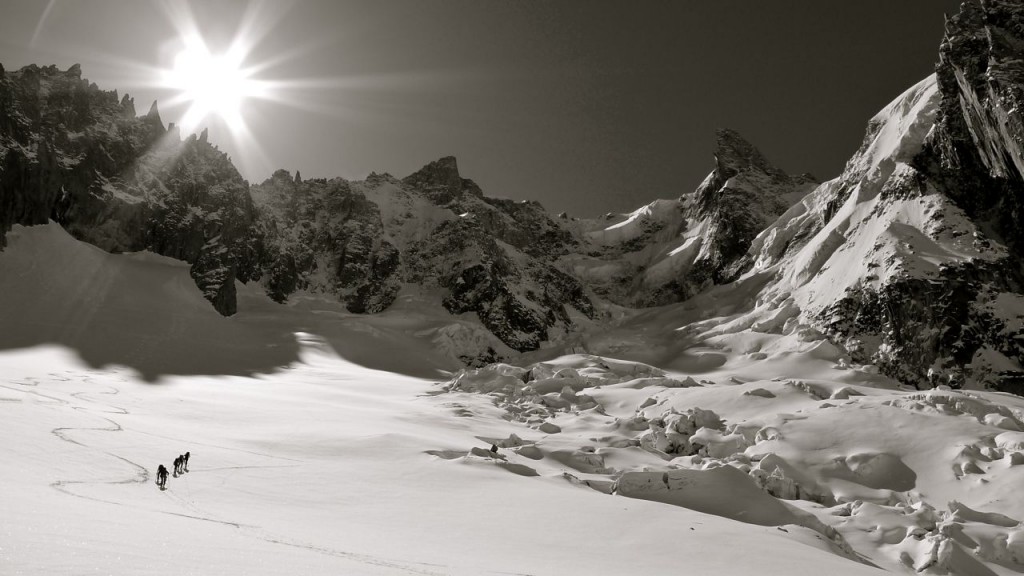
(742, 195)
(734, 154)
(152, 119)
(128, 106)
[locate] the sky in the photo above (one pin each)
(588, 106)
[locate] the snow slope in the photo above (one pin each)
(774, 444)
(872, 237)
(310, 462)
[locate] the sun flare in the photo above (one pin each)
(212, 85)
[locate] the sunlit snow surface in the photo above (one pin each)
(768, 454)
(320, 466)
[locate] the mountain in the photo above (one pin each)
(670, 250)
(432, 232)
(910, 259)
(77, 155)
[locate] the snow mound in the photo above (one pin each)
(722, 491)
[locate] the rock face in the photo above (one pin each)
(324, 236)
(735, 202)
(977, 149)
(668, 251)
(362, 241)
(441, 182)
(975, 156)
(75, 154)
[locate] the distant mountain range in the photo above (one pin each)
(910, 259)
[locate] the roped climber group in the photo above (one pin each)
(180, 467)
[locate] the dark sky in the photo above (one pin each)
(586, 105)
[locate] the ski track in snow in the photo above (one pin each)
(142, 476)
(361, 558)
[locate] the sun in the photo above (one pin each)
(211, 85)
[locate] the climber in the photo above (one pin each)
(161, 477)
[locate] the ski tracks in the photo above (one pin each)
(410, 568)
(193, 512)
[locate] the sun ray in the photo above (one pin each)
(42, 22)
(243, 138)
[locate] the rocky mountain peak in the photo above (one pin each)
(441, 182)
(736, 158)
(442, 172)
(734, 154)
(742, 195)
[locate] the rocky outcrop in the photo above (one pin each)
(524, 224)
(517, 297)
(326, 237)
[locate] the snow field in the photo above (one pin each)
(306, 459)
(322, 468)
(881, 475)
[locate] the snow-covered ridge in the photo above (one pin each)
(891, 261)
(669, 250)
